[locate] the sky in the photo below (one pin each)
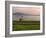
(27, 10)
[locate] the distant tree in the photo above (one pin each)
(21, 18)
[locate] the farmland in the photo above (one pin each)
(26, 25)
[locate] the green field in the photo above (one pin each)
(26, 25)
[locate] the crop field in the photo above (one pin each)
(26, 25)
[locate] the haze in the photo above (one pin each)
(27, 10)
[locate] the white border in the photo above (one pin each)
(30, 31)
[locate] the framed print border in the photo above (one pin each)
(7, 18)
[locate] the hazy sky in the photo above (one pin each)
(27, 10)
(18, 10)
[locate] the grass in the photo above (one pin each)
(26, 25)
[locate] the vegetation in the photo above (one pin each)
(26, 25)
